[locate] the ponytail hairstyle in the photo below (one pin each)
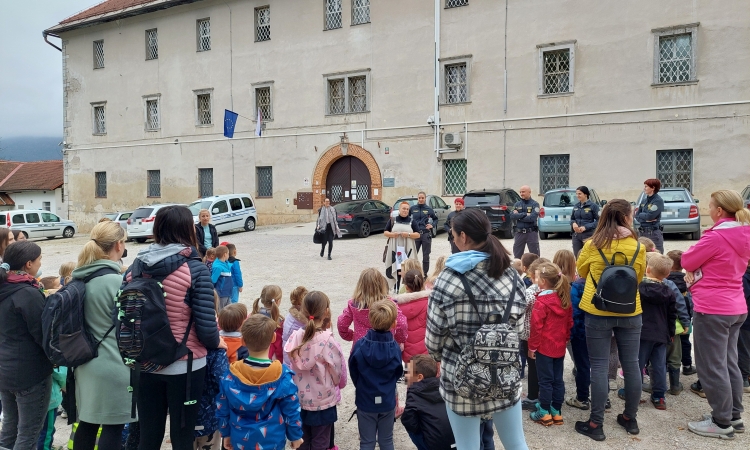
(317, 308)
(414, 281)
(550, 273)
(476, 227)
(614, 216)
(731, 202)
(104, 236)
(371, 288)
(270, 297)
(566, 261)
(17, 255)
(5, 234)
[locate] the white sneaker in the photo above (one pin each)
(708, 428)
(738, 425)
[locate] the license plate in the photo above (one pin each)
(669, 214)
(562, 218)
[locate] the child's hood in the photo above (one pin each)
(428, 389)
(255, 389)
(655, 292)
(678, 278)
(312, 351)
(409, 297)
(378, 348)
(552, 302)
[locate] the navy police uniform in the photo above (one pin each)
(447, 227)
(525, 214)
(585, 214)
(422, 215)
(649, 220)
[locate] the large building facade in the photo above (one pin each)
(539, 92)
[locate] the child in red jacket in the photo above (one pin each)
(550, 330)
(268, 304)
(413, 304)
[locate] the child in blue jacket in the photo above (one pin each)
(237, 283)
(579, 349)
(221, 276)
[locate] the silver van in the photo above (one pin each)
(36, 223)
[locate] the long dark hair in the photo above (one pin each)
(174, 225)
(5, 234)
(477, 227)
(17, 255)
(613, 215)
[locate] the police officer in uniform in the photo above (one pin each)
(649, 212)
(584, 219)
(423, 216)
(525, 214)
(459, 202)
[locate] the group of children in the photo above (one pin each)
(226, 274)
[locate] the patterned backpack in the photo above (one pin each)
(489, 367)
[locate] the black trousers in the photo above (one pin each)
(578, 241)
(655, 235)
(425, 243)
(522, 240)
(327, 238)
(85, 438)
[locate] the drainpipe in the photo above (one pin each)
(437, 78)
(45, 34)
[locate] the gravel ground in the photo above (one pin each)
(285, 255)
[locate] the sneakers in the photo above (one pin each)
(630, 425)
(659, 403)
(689, 370)
(608, 405)
(541, 416)
(646, 387)
(737, 424)
(528, 404)
(575, 403)
(557, 418)
(64, 414)
(595, 433)
(708, 428)
(698, 389)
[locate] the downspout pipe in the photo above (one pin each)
(437, 78)
(46, 35)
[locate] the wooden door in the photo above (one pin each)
(348, 179)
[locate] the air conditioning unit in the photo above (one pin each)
(452, 140)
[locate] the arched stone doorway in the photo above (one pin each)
(334, 154)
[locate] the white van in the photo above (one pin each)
(35, 223)
(228, 212)
(141, 222)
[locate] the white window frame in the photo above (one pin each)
(210, 93)
(354, 7)
(198, 39)
(257, 23)
(551, 47)
(96, 62)
(148, 44)
(658, 33)
(325, 16)
(255, 87)
(345, 76)
(94, 129)
(146, 99)
(454, 61)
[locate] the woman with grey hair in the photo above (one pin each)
(327, 225)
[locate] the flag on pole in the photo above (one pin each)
(230, 120)
(258, 125)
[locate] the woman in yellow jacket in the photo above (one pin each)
(615, 237)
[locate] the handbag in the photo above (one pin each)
(385, 250)
(318, 237)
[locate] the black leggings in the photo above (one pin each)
(85, 437)
(327, 238)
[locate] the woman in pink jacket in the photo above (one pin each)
(715, 266)
(413, 304)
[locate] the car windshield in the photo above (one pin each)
(481, 199)
(196, 207)
(674, 196)
(140, 213)
(410, 201)
(111, 216)
(346, 207)
(560, 198)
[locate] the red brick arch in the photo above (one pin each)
(329, 157)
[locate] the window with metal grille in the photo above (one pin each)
(455, 3)
(360, 11)
(152, 114)
(556, 71)
(336, 96)
(554, 172)
(153, 178)
(100, 120)
(263, 103)
(204, 109)
(263, 24)
(455, 83)
(99, 54)
(358, 94)
(152, 44)
(333, 14)
(675, 58)
(47, 206)
(265, 181)
(454, 176)
(348, 93)
(101, 184)
(205, 182)
(674, 168)
(204, 35)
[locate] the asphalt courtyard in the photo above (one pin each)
(286, 256)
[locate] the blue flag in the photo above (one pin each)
(230, 120)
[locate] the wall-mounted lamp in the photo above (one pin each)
(344, 144)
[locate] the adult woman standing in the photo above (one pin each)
(584, 218)
(6, 238)
(25, 371)
(328, 225)
(715, 266)
(614, 238)
(649, 213)
(402, 233)
(102, 396)
(452, 323)
(189, 294)
(205, 232)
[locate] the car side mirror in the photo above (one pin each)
(447, 206)
(603, 202)
(696, 200)
(215, 211)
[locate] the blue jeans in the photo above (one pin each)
(627, 332)
(23, 415)
(375, 425)
(488, 434)
(551, 385)
(235, 294)
(507, 422)
(583, 366)
(47, 435)
(656, 354)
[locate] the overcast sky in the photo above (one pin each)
(31, 70)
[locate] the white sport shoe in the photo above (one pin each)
(708, 428)
(738, 425)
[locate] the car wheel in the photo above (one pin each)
(433, 230)
(696, 235)
(250, 224)
(68, 232)
(364, 229)
(543, 236)
(140, 240)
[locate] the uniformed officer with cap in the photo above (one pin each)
(459, 202)
(423, 216)
(649, 212)
(525, 214)
(584, 219)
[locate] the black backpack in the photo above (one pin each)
(66, 339)
(618, 285)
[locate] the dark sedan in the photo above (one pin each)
(362, 217)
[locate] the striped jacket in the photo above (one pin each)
(452, 323)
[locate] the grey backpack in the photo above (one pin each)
(489, 367)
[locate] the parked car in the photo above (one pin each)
(497, 204)
(35, 223)
(681, 214)
(228, 212)
(141, 223)
(746, 196)
(120, 217)
(557, 208)
(362, 217)
(438, 205)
